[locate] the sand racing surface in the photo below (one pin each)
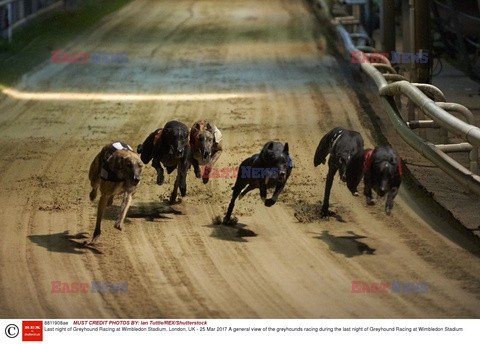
(261, 71)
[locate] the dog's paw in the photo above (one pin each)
(388, 211)
(183, 191)
(173, 199)
(160, 179)
(370, 201)
(198, 174)
(230, 221)
(205, 180)
(325, 213)
(269, 202)
(93, 194)
(118, 225)
(355, 193)
(94, 239)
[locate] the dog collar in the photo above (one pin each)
(106, 173)
(367, 161)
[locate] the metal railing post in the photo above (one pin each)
(9, 22)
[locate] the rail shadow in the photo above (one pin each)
(348, 245)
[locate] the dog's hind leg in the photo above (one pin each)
(94, 176)
(127, 200)
(93, 193)
(390, 197)
(328, 186)
(102, 203)
(249, 188)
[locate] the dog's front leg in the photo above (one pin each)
(173, 195)
(368, 189)
(263, 189)
(328, 186)
(206, 173)
(182, 171)
(180, 182)
(389, 204)
(102, 204)
(127, 200)
(215, 157)
(278, 189)
(208, 167)
(158, 166)
(196, 168)
(237, 189)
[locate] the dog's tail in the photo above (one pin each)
(355, 170)
(324, 146)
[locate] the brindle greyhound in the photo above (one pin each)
(205, 147)
(116, 169)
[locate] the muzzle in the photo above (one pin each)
(177, 152)
(206, 154)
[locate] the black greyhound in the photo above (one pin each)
(168, 146)
(271, 168)
(381, 169)
(342, 145)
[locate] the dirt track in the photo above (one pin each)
(261, 71)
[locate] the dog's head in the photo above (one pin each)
(342, 157)
(274, 155)
(126, 165)
(202, 137)
(176, 137)
(385, 169)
